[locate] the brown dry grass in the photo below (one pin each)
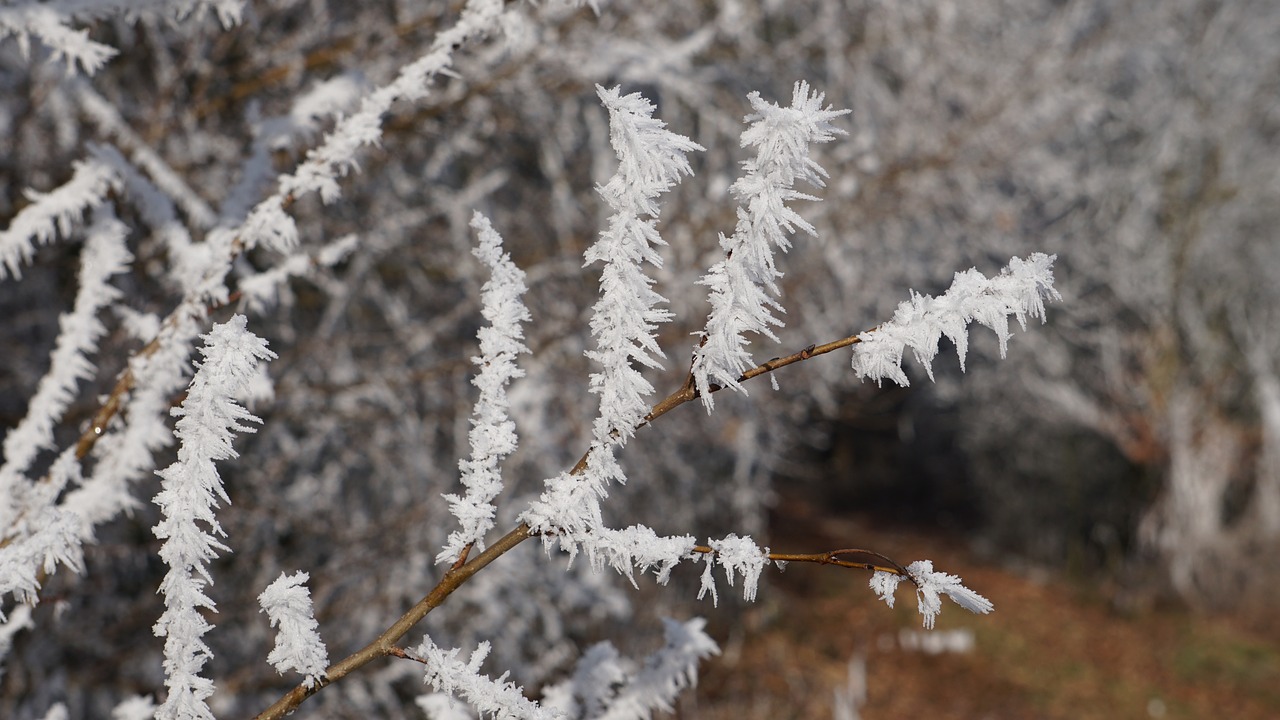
(1051, 649)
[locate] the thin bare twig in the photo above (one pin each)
(846, 558)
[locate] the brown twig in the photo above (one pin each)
(846, 558)
(688, 391)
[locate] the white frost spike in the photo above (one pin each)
(931, 585)
(496, 698)
(190, 491)
(919, 323)
(493, 434)
(287, 603)
(52, 213)
(884, 584)
(651, 161)
(744, 284)
(51, 26)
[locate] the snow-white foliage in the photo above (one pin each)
(884, 584)
(498, 699)
(638, 547)
(493, 433)
(44, 23)
(633, 548)
(744, 284)
(651, 160)
(261, 291)
(287, 603)
(607, 685)
(126, 452)
(111, 123)
(269, 224)
(38, 533)
(930, 585)
(80, 330)
(190, 491)
(919, 323)
(568, 515)
(54, 540)
(569, 506)
(50, 23)
(53, 212)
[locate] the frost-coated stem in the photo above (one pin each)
(190, 491)
(651, 161)
(743, 286)
(493, 433)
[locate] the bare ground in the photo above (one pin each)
(1052, 649)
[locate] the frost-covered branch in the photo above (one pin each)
(919, 323)
(336, 157)
(744, 284)
(104, 256)
(53, 212)
(41, 535)
(190, 491)
(44, 23)
(651, 160)
(130, 427)
(568, 512)
(493, 434)
(498, 698)
(160, 361)
(36, 533)
(607, 685)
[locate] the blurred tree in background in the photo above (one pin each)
(1138, 433)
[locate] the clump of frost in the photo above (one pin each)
(930, 587)
(287, 603)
